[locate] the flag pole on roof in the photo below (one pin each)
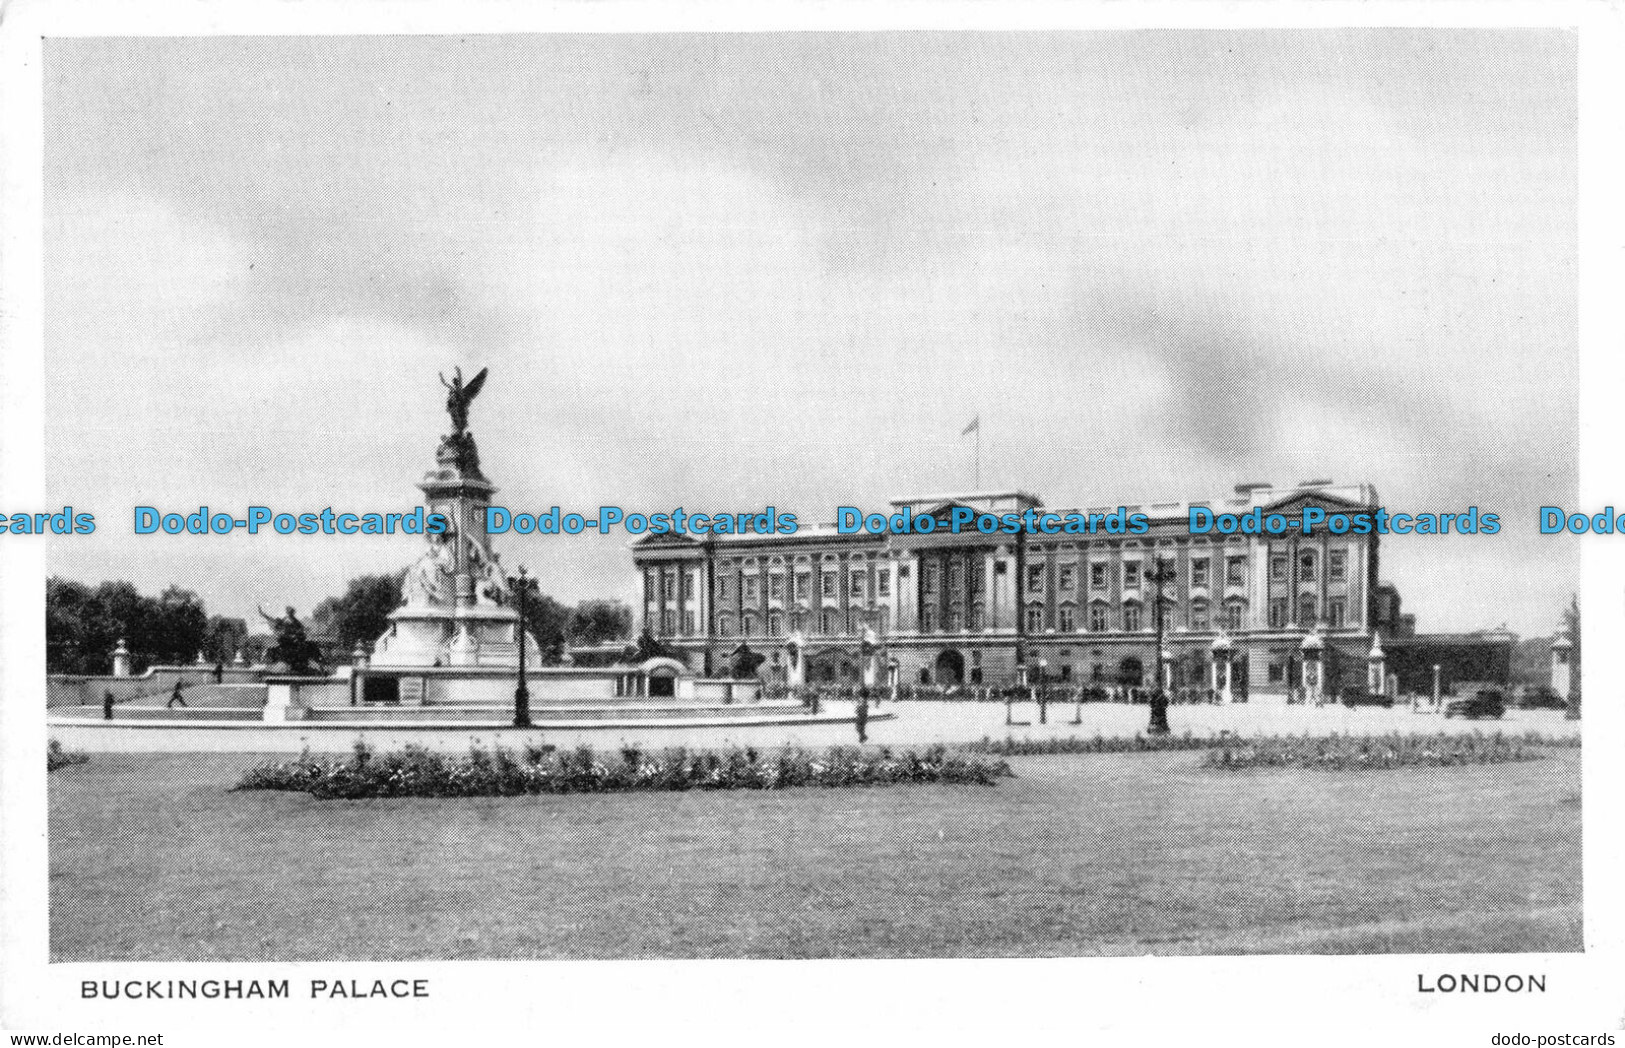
(976, 428)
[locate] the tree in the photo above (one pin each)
(84, 625)
(546, 619)
(1571, 622)
(180, 627)
(224, 638)
(362, 614)
(70, 615)
(595, 622)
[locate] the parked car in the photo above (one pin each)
(1486, 703)
(1542, 697)
(1353, 697)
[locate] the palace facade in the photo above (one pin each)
(971, 608)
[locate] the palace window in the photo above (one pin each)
(1278, 611)
(1067, 618)
(956, 575)
(928, 618)
(1235, 572)
(1306, 610)
(725, 625)
(826, 622)
(747, 625)
(1097, 618)
(1278, 568)
(1035, 578)
(956, 619)
(1199, 572)
(883, 582)
(1131, 617)
(668, 622)
(688, 585)
(1336, 612)
(854, 589)
(826, 584)
(775, 624)
(803, 584)
(930, 580)
(688, 623)
(976, 580)
(775, 586)
(1232, 615)
(750, 589)
(854, 622)
(722, 587)
(977, 617)
(1035, 618)
(1068, 573)
(1199, 619)
(1097, 576)
(1306, 566)
(1131, 574)
(668, 584)
(648, 587)
(1337, 566)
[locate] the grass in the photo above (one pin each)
(154, 858)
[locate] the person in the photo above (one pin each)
(219, 671)
(862, 715)
(174, 697)
(107, 705)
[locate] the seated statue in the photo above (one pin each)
(429, 581)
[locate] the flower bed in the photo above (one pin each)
(1360, 752)
(416, 772)
(1012, 747)
(57, 757)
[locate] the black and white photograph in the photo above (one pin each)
(558, 494)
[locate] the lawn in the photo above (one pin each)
(153, 859)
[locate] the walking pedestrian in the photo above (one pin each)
(107, 705)
(174, 697)
(862, 715)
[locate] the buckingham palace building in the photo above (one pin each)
(992, 609)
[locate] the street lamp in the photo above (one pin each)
(521, 694)
(1159, 576)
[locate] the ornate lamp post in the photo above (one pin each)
(521, 694)
(1159, 576)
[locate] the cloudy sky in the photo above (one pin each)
(723, 271)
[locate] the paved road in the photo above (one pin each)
(915, 723)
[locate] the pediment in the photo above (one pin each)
(665, 540)
(1295, 503)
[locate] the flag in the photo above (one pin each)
(974, 427)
